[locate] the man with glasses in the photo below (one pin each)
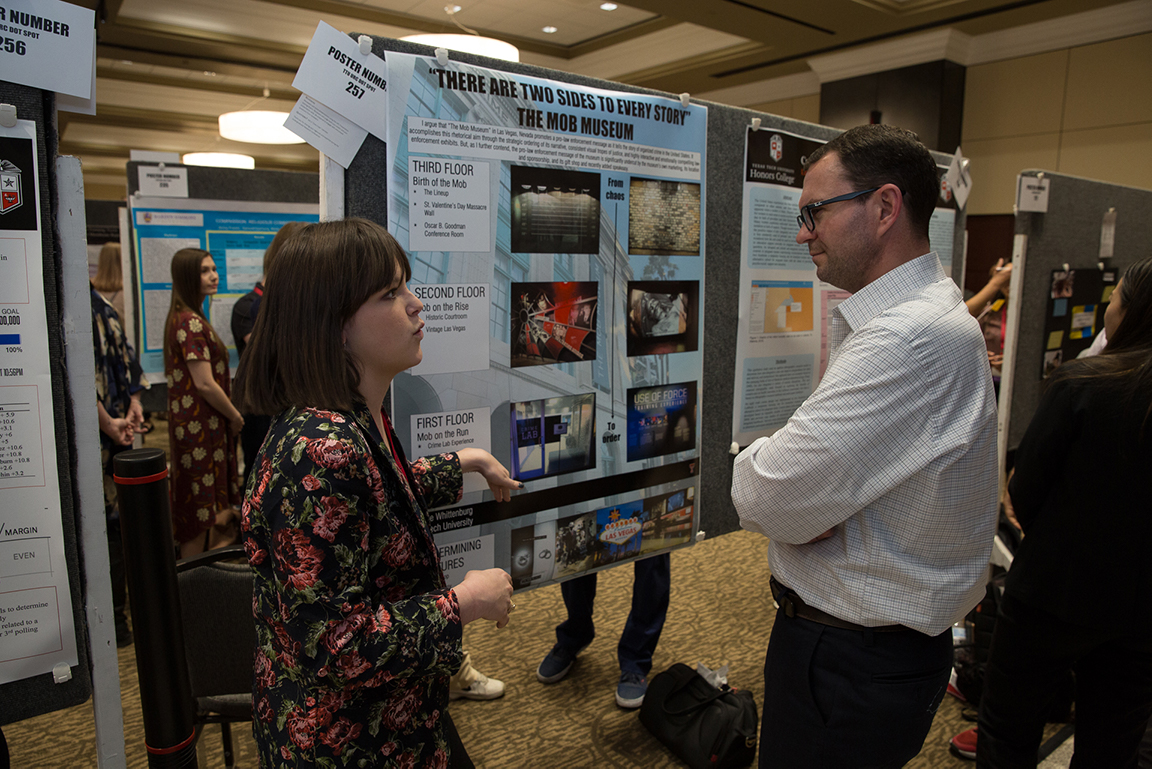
(879, 494)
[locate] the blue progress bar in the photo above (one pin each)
(9, 339)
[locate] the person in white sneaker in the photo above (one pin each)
(470, 684)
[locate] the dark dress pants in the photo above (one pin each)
(837, 698)
(651, 588)
(1030, 649)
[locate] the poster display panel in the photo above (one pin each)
(235, 232)
(556, 235)
(36, 628)
(782, 332)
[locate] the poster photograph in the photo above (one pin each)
(579, 211)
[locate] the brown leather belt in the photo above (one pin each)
(793, 606)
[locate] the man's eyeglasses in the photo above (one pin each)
(805, 219)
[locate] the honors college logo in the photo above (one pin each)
(11, 196)
(776, 147)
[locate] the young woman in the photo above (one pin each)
(1077, 595)
(109, 280)
(202, 422)
(357, 631)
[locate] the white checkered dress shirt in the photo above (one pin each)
(896, 451)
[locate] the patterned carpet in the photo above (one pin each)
(721, 613)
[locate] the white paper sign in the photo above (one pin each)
(462, 556)
(1032, 193)
(959, 178)
(337, 75)
(163, 181)
(48, 44)
(456, 333)
(451, 205)
(326, 130)
(80, 105)
(1108, 234)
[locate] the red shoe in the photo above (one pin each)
(964, 744)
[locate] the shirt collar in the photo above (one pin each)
(889, 289)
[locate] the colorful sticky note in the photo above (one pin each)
(1059, 308)
(1054, 339)
(1106, 295)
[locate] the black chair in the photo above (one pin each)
(219, 637)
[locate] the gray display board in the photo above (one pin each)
(367, 196)
(40, 694)
(1067, 234)
(205, 183)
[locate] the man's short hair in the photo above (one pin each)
(874, 155)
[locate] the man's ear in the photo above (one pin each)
(891, 202)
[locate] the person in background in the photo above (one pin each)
(109, 280)
(357, 631)
(879, 494)
(989, 306)
(1077, 593)
(202, 422)
(119, 382)
(243, 320)
(651, 591)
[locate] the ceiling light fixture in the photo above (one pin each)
(219, 160)
(481, 46)
(549, 29)
(257, 127)
(608, 6)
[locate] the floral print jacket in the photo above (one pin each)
(357, 632)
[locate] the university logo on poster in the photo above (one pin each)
(776, 148)
(10, 189)
(17, 184)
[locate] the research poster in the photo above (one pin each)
(36, 628)
(235, 232)
(556, 234)
(782, 332)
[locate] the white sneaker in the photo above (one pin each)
(482, 688)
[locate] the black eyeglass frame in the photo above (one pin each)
(806, 219)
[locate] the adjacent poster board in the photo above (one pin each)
(1077, 300)
(235, 232)
(556, 233)
(36, 619)
(782, 334)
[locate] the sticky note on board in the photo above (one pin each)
(1106, 294)
(1055, 339)
(1059, 308)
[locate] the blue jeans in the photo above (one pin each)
(651, 587)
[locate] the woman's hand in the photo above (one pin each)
(236, 423)
(480, 461)
(485, 594)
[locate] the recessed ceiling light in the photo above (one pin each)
(549, 29)
(451, 9)
(209, 73)
(219, 160)
(257, 127)
(608, 6)
(482, 46)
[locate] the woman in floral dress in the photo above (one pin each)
(357, 631)
(202, 422)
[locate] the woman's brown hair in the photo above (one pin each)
(185, 291)
(109, 276)
(319, 279)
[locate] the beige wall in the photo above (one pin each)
(805, 108)
(1084, 111)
